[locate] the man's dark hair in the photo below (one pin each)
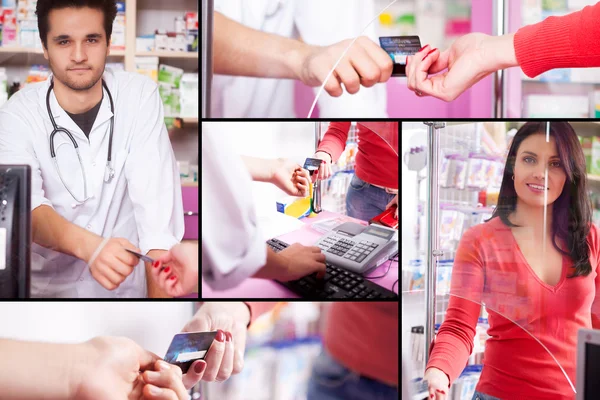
(43, 8)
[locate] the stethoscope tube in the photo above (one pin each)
(109, 172)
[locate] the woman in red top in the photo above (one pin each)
(535, 272)
(568, 41)
(374, 186)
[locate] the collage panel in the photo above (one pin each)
(401, 59)
(500, 259)
(99, 149)
(300, 209)
(225, 350)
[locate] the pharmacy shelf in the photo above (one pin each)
(168, 54)
(593, 178)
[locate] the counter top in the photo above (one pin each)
(263, 288)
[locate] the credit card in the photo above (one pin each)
(398, 47)
(141, 256)
(186, 348)
(312, 164)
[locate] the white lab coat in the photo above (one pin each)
(142, 203)
(233, 247)
(317, 22)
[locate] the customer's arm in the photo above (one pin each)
(239, 50)
(569, 41)
(101, 368)
(454, 341)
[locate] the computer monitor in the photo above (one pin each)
(588, 364)
(15, 230)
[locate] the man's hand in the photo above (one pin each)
(113, 264)
(292, 263)
(180, 275)
(226, 355)
(364, 64)
(290, 177)
(109, 368)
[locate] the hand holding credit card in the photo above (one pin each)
(186, 348)
(399, 47)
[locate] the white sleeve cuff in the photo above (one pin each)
(157, 242)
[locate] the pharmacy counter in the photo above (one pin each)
(263, 288)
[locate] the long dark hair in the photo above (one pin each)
(572, 211)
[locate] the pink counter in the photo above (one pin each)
(262, 288)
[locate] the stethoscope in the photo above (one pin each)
(109, 172)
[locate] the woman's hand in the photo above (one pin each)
(438, 383)
(226, 355)
(471, 58)
(324, 171)
(180, 275)
(164, 383)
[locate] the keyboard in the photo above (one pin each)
(337, 283)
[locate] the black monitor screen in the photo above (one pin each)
(15, 230)
(592, 371)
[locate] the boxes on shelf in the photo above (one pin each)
(144, 43)
(188, 90)
(3, 86)
(591, 150)
(147, 66)
(161, 40)
(37, 73)
(169, 79)
(9, 27)
(595, 104)
(117, 38)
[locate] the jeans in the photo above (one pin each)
(365, 201)
(480, 396)
(330, 380)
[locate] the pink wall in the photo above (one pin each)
(402, 103)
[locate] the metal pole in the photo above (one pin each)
(500, 28)
(433, 134)
(206, 56)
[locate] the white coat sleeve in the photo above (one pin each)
(324, 23)
(233, 248)
(16, 147)
(152, 176)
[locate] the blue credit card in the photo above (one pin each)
(398, 47)
(186, 348)
(312, 164)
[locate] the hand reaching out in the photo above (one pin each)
(180, 275)
(290, 177)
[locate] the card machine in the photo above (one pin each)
(359, 248)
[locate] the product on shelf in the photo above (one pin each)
(595, 104)
(591, 150)
(161, 40)
(147, 66)
(3, 86)
(188, 88)
(9, 28)
(37, 73)
(557, 106)
(465, 385)
(169, 79)
(453, 172)
(117, 38)
(191, 30)
(144, 43)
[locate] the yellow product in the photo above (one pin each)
(294, 207)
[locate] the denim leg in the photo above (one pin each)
(364, 201)
(332, 381)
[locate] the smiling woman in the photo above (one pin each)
(556, 162)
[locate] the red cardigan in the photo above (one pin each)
(489, 268)
(568, 41)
